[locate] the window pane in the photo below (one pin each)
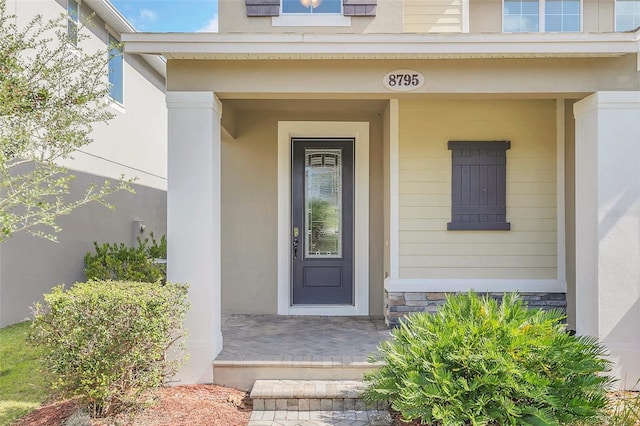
(311, 6)
(624, 7)
(627, 14)
(562, 15)
(323, 202)
(553, 7)
(571, 23)
(530, 7)
(553, 23)
(571, 7)
(115, 70)
(73, 15)
(520, 16)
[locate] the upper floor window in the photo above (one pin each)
(541, 15)
(116, 75)
(627, 15)
(311, 12)
(73, 18)
(311, 6)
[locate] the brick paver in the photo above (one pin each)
(301, 339)
(320, 418)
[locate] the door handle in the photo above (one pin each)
(295, 248)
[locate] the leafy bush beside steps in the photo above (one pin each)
(478, 362)
(108, 342)
(119, 262)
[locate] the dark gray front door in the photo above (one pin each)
(322, 220)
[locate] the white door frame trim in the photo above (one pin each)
(324, 129)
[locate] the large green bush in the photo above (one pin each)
(478, 362)
(108, 342)
(119, 262)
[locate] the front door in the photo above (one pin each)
(322, 185)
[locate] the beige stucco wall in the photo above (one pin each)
(419, 16)
(233, 19)
(598, 15)
(134, 143)
(485, 16)
(433, 16)
(249, 204)
(123, 146)
(427, 249)
(552, 77)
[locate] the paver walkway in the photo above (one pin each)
(297, 338)
(320, 418)
(305, 340)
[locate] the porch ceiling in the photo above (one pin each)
(311, 106)
(381, 46)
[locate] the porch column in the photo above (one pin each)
(608, 226)
(193, 223)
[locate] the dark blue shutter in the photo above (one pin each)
(478, 185)
(263, 7)
(359, 7)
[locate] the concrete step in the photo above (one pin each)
(310, 395)
(241, 373)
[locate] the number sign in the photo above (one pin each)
(403, 80)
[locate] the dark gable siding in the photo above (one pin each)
(263, 7)
(478, 185)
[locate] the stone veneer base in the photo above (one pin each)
(401, 304)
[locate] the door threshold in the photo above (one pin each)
(329, 310)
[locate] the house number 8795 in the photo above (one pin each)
(403, 80)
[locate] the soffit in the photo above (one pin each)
(380, 46)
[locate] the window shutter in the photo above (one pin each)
(359, 7)
(478, 185)
(263, 7)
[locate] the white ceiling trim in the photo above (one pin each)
(380, 46)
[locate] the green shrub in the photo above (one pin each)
(119, 262)
(108, 342)
(477, 362)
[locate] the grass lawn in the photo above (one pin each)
(22, 387)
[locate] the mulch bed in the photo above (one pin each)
(191, 405)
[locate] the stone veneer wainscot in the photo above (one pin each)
(401, 304)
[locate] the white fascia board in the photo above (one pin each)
(116, 21)
(379, 46)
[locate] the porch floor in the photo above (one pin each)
(300, 339)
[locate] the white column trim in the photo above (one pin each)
(193, 223)
(394, 197)
(560, 191)
(359, 131)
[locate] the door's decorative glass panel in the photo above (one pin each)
(323, 202)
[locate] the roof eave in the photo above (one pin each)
(116, 21)
(381, 46)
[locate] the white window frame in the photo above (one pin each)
(75, 22)
(542, 16)
(115, 103)
(311, 19)
(615, 17)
